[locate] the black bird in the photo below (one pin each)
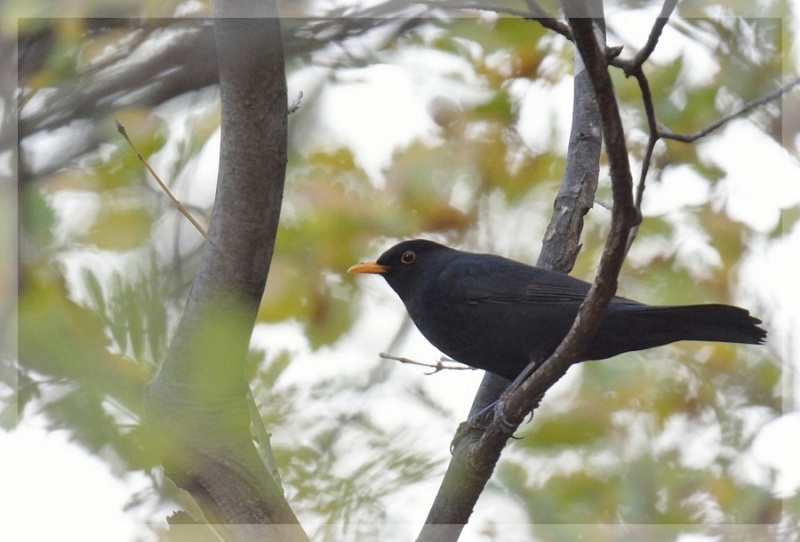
(497, 314)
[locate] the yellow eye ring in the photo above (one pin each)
(408, 257)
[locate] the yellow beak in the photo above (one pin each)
(368, 267)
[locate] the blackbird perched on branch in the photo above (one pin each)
(497, 314)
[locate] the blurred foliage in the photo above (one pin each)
(106, 264)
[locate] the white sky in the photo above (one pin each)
(54, 490)
(57, 491)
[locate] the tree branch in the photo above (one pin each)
(561, 243)
(535, 13)
(443, 364)
(164, 188)
(158, 71)
(652, 139)
(632, 64)
(689, 138)
(633, 67)
(476, 453)
(526, 392)
(548, 21)
(655, 133)
(196, 406)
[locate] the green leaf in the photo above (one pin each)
(95, 291)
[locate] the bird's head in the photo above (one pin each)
(407, 264)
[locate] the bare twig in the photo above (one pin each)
(534, 13)
(656, 132)
(494, 9)
(650, 113)
(633, 67)
(441, 365)
(688, 138)
(631, 64)
(602, 203)
(652, 139)
(655, 33)
(175, 201)
(546, 20)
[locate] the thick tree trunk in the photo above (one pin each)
(196, 406)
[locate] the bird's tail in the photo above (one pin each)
(636, 327)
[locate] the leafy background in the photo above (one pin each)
(453, 129)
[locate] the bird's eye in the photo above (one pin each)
(408, 256)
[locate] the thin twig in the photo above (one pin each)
(650, 112)
(546, 20)
(507, 11)
(689, 138)
(631, 64)
(633, 67)
(656, 133)
(602, 203)
(652, 139)
(655, 33)
(535, 13)
(441, 365)
(178, 204)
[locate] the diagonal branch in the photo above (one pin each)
(541, 16)
(528, 389)
(526, 392)
(652, 139)
(535, 13)
(632, 64)
(475, 458)
(689, 138)
(656, 133)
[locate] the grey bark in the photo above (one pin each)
(196, 406)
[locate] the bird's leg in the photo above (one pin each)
(473, 420)
(478, 422)
(535, 362)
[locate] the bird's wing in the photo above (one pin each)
(525, 294)
(520, 284)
